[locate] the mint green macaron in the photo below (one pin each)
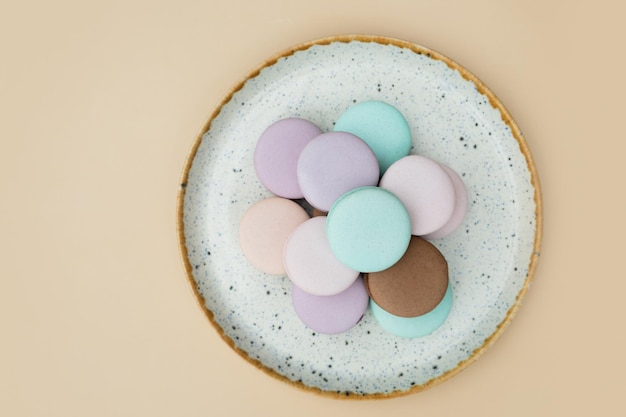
(381, 126)
(412, 327)
(368, 229)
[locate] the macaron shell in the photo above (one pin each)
(334, 313)
(317, 212)
(368, 229)
(311, 265)
(381, 126)
(460, 207)
(332, 164)
(276, 155)
(414, 326)
(264, 229)
(426, 190)
(414, 285)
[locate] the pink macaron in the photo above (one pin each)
(264, 229)
(310, 263)
(460, 207)
(426, 190)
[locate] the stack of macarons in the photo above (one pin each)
(375, 207)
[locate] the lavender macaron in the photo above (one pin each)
(334, 313)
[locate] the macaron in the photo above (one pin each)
(264, 229)
(276, 155)
(318, 212)
(414, 285)
(381, 126)
(426, 190)
(368, 229)
(460, 207)
(311, 265)
(332, 164)
(413, 327)
(334, 313)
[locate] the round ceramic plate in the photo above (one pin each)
(455, 120)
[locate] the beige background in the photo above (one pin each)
(99, 104)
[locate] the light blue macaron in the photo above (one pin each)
(368, 229)
(381, 126)
(412, 327)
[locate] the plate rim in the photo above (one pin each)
(494, 102)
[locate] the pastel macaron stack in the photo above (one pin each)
(374, 208)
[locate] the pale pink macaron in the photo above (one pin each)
(310, 263)
(426, 190)
(264, 229)
(460, 207)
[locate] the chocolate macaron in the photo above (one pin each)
(414, 285)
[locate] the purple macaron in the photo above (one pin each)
(331, 314)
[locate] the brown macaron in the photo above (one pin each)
(414, 285)
(318, 212)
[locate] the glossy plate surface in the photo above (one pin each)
(455, 120)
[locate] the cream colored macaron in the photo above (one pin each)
(264, 229)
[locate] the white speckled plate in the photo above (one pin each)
(455, 120)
